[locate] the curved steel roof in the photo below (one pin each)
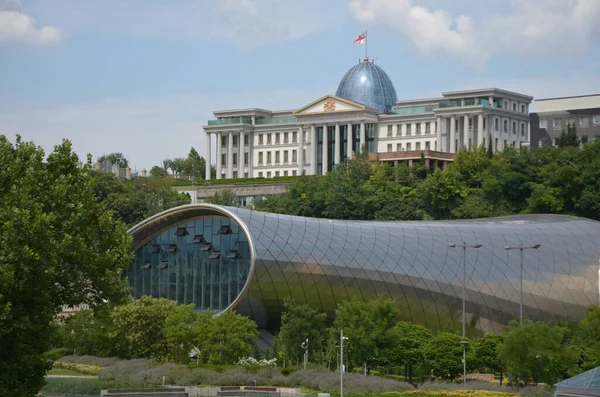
(322, 261)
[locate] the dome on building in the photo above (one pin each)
(368, 84)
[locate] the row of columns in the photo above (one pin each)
(476, 134)
(337, 138)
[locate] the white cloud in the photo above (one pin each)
(548, 28)
(18, 27)
(146, 130)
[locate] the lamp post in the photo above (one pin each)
(464, 246)
(342, 338)
(521, 248)
(464, 344)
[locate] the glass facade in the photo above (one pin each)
(204, 261)
(322, 262)
(370, 85)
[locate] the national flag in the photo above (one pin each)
(361, 39)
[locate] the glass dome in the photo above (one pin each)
(368, 84)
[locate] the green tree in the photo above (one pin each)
(158, 172)
(88, 333)
(406, 342)
(443, 355)
(114, 158)
(299, 323)
(181, 329)
(366, 325)
(231, 337)
(535, 351)
(591, 321)
(441, 193)
(224, 197)
(58, 246)
(568, 137)
(195, 165)
(140, 327)
(486, 354)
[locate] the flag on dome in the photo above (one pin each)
(361, 39)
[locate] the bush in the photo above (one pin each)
(84, 369)
(90, 360)
(441, 386)
(457, 393)
(535, 391)
(57, 353)
(288, 370)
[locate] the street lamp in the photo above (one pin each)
(464, 246)
(521, 248)
(464, 344)
(342, 338)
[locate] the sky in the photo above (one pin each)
(142, 77)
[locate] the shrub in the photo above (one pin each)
(288, 370)
(90, 360)
(57, 353)
(469, 386)
(458, 393)
(84, 369)
(123, 370)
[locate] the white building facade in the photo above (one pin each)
(255, 143)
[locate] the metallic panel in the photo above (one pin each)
(322, 262)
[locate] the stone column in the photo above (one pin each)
(207, 171)
(362, 136)
(240, 164)
(299, 158)
(325, 150)
(465, 142)
(219, 152)
(251, 155)
(313, 150)
(480, 130)
(337, 144)
(453, 134)
(349, 138)
(439, 134)
(423, 129)
(229, 171)
(415, 129)
(491, 131)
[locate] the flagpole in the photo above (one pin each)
(366, 46)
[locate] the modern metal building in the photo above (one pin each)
(364, 113)
(220, 258)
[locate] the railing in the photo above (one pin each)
(411, 110)
(277, 120)
(231, 120)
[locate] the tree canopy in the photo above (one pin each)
(115, 158)
(58, 246)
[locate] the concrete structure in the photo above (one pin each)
(221, 259)
(247, 193)
(551, 116)
(311, 140)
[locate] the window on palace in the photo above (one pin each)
(389, 130)
(389, 147)
(522, 129)
(408, 146)
(428, 128)
(268, 174)
(260, 158)
(277, 137)
(246, 139)
(522, 108)
(260, 174)
(276, 173)
(285, 157)
(294, 156)
(427, 145)
(514, 127)
(418, 146)
(235, 140)
(268, 157)
(294, 173)
(277, 157)
(514, 107)
(304, 155)
(294, 137)
(285, 173)
(496, 124)
(285, 137)
(268, 139)
(505, 125)
(235, 159)
(398, 147)
(557, 123)
(585, 122)
(223, 141)
(260, 139)
(245, 158)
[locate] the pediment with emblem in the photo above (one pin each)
(330, 104)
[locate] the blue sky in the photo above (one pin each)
(142, 76)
